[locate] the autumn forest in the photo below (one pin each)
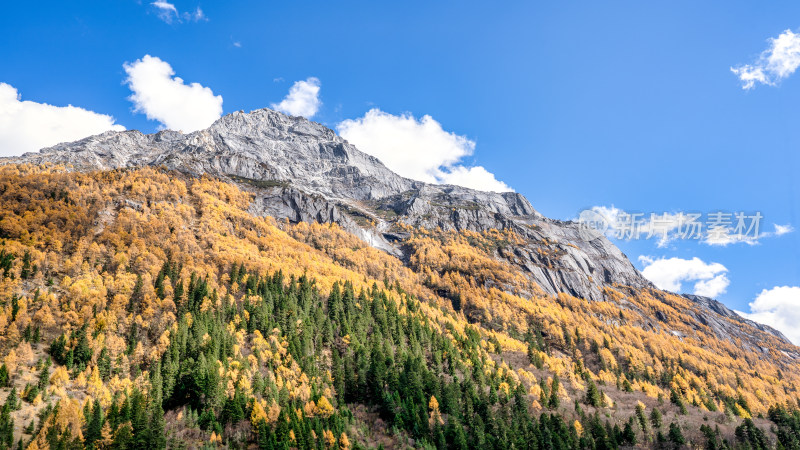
(144, 308)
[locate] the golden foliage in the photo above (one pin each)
(91, 235)
(324, 408)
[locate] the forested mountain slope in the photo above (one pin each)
(166, 305)
(302, 171)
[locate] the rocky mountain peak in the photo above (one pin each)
(303, 171)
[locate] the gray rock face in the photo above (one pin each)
(716, 315)
(303, 171)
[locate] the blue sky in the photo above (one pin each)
(574, 104)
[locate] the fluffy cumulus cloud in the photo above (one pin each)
(779, 308)
(778, 61)
(26, 126)
(302, 100)
(476, 177)
(709, 279)
(166, 98)
(419, 149)
(167, 12)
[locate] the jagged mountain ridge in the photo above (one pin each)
(303, 171)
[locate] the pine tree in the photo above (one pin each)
(12, 401)
(655, 418)
(628, 434)
(455, 435)
(136, 296)
(6, 425)
(94, 427)
(554, 401)
(641, 416)
(26, 271)
(44, 375)
(4, 376)
(104, 364)
(123, 437)
(593, 395)
(675, 435)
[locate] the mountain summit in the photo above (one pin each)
(264, 282)
(302, 171)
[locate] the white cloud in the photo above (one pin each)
(712, 287)
(612, 216)
(670, 273)
(664, 226)
(167, 12)
(197, 15)
(779, 308)
(724, 236)
(413, 148)
(26, 126)
(774, 64)
(780, 230)
(418, 148)
(166, 98)
(476, 177)
(302, 100)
